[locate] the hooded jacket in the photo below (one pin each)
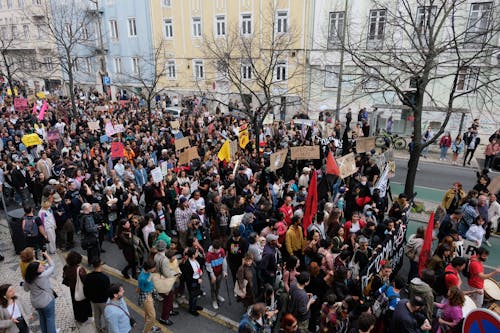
(422, 289)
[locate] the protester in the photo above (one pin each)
(116, 311)
(74, 274)
(13, 313)
(95, 288)
(477, 275)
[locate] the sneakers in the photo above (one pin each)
(215, 305)
(220, 298)
(487, 242)
(194, 313)
(174, 313)
(175, 305)
(182, 300)
(155, 329)
(167, 322)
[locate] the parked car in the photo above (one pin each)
(175, 111)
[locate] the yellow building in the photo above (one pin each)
(265, 43)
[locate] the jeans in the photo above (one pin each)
(444, 151)
(215, 286)
(99, 321)
(193, 296)
(488, 161)
(47, 317)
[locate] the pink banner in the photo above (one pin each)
(20, 104)
(53, 135)
(44, 108)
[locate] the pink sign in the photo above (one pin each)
(20, 104)
(53, 135)
(117, 150)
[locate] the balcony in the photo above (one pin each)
(100, 51)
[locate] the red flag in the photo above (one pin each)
(311, 203)
(426, 247)
(44, 108)
(331, 166)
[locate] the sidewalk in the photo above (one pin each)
(434, 155)
(10, 273)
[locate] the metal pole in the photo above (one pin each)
(341, 67)
(227, 288)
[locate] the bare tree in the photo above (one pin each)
(69, 25)
(147, 72)
(424, 44)
(261, 66)
(9, 61)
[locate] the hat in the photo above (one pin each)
(200, 207)
(159, 227)
(53, 182)
(271, 237)
(57, 197)
(182, 200)
(306, 169)
(161, 245)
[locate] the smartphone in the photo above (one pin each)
(314, 297)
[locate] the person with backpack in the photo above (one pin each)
(377, 281)
(421, 286)
(412, 251)
(252, 321)
(408, 316)
(33, 230)
(386, 302)
(476, 275)
(451, 272)
(90, 234)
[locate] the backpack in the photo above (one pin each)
(410, 249)
(381, 304)
(466, 270)
(368, 290)
(440, 283)
(30, 228)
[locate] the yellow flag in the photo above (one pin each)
(225, 152)
(40, 94)
(244, 140)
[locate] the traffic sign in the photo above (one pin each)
(481, 321)
(106, 80)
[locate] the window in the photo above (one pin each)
(132, 28)
(33, 64)
(37, 2)
(199, 72)
(48, 63)
(246, 24)
(467, 78)
(166, 3)
(113, 29)
(76, 65)
(20, 3)
(281, 71)
(332, 76)
(282, 22)
(478, 23)
(118, 65)
(88, 65)
(426, 16)
(196, 22)
(3, 32)
(171, 69)
(246, 70)
(376, 28)
(26, 31)
(39, 29)
(14, 31)
(168, 28)
(136, 69)
(220, 25)
(9, 4)
(335, 29)
(371, 79)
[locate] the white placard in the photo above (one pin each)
(157, 175)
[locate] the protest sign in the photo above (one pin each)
(305, 153)
(103, 139)
(109, 129)
(20, 104)
(187, 155)
(278, 159)
(157, 175)
(117, 150)
(93, 125)
(269, 119)
(119, 128)
(233, 149)
(347, 165)
(365, 144)
(182, 143)
(175, 124)
(31, 140)
(164, 168)
(53, 135)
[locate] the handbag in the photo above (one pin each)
(132, 321)
(240, 292)
(79, 295)
(163, 284)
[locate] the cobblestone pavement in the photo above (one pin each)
(10, 273)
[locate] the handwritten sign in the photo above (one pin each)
(53, 135)
(233, 149)
(31, 140)
(164, 168)
(20, 104)
(119, 128)
(188, 155)
(365, 144)
(278, 159)
(175, 124)
(182, 143)
(305, 153)
(93, 125)
(157, 175)
(347, 165)
(117, 150)
(109, 129)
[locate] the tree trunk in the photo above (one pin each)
(412, 170)
(71, 84)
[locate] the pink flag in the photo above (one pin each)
(34, 107)
(44, 108)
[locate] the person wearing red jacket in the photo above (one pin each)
(352, 227)
(216, 265)
(444, 144)
(287, 210)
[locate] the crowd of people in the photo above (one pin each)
(233, 222)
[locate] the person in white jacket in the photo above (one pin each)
(494, 212)
(476, 231)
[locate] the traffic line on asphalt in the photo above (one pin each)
(140, 312)
(213, 316)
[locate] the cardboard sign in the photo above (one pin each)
(20, 104)
(187, 155)
(119, 128)
(164, 168)
(117, 150)
(278, 159)
(93, 125)
(31, 140)
(233, 149)
(175, 124)
(157, 175)
(305, 153)
(347, 165)
(182, 143)
(269, 119)
(365, 144)
(53, 135)
(104, 139)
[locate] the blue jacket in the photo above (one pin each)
(116, 315)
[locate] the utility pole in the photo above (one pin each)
(341, 67)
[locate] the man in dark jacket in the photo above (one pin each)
(407, 317)
(268, 265)
(236, 248)
(471, 141)
(95, 288)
